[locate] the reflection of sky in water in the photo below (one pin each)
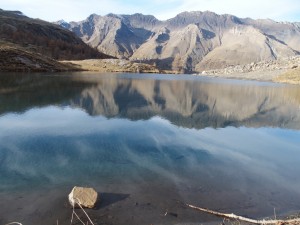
(66, 146)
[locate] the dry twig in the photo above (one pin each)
(13, 223)
(85, 213)
(77, 201)
(245, 219)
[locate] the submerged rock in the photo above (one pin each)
(86, 197)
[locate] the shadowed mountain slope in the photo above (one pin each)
(42, 37)
(191, 41)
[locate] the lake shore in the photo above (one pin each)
(282, 72)
(255, 75)
(19, 60)
(278, 76)
(286, 70)
(52, 207)
(113, 66)
(147, 143)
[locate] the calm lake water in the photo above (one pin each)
(147, 144)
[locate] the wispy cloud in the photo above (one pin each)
(275, 9)
(78, 10)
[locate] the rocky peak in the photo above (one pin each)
(63, 24)
(93, 18)
(139, 20)
(207, 20)
(141, 17)
(190, 38)
(112, 15)
(297, 25)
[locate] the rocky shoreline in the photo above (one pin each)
(286, 70)
(279, 70)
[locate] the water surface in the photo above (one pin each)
(147, 143)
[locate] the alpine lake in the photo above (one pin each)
(147, 144)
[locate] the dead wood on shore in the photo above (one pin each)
(245, 219)
(14, 223)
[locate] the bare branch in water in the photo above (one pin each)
(76, 201)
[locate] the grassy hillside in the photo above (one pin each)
(15, 58)
(38, 36)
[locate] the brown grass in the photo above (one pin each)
(291, 77)
(114, 65)
(16, 59)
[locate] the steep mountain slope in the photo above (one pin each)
(191, 41)
(287, 33)
(244, 44)
(43, 37)
(178, 49)
(109, 34)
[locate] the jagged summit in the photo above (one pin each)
(63, 24)
(190, 41)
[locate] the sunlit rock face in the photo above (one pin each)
(191, 41)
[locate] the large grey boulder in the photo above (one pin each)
(86, 197)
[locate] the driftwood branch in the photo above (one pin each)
(79, 204)
(245, 219)
(17, 223)
(74, 213)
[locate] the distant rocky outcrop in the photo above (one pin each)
(191, 41)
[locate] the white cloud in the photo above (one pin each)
(274, 9)
(76, 10)
(68, 10)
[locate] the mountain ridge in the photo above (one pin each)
(208, 34)
(43, 37)
(28, 44)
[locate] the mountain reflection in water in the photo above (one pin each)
(154, 140)
(188, 103)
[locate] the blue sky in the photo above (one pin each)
(75, 10)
